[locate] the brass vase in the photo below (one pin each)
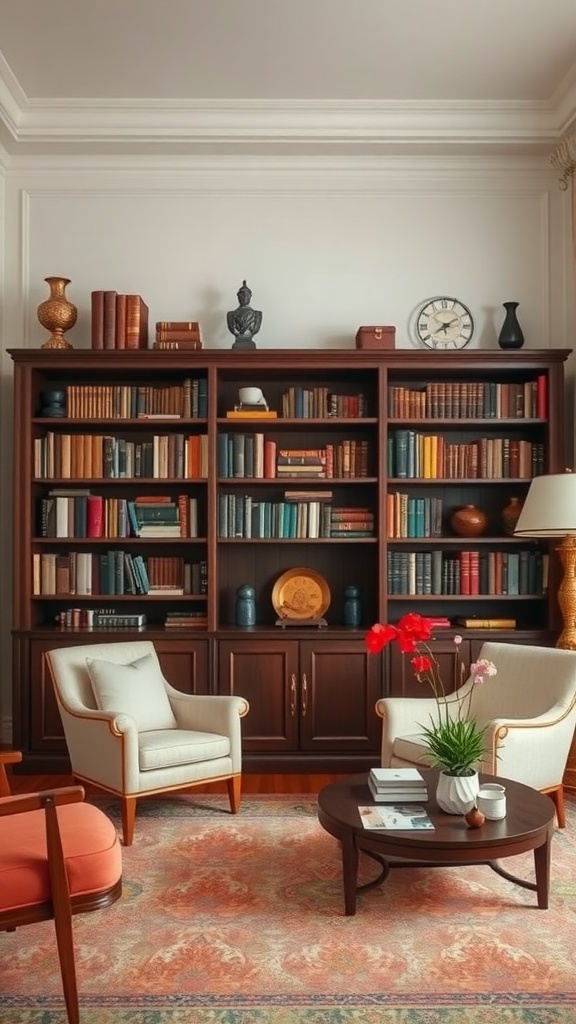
(57, 314)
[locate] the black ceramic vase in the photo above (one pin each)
(511, 335)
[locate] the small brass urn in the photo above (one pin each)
(57, 314)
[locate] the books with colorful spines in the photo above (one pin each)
(136, 322)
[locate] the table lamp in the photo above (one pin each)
(550, 511)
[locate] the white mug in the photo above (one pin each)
(492, 801)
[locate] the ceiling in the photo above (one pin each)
(285, 75)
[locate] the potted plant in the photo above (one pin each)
(454, 738)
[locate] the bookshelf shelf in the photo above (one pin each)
(312, 692)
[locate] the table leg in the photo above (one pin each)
(542, 861)
(349, 873)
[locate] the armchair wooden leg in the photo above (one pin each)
(557, 796)
(62, 908)
(234, 785)
(128, 818)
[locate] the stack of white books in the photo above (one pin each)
(397, 785)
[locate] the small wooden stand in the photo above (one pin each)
(301, 622)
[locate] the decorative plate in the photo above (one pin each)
(300, 594)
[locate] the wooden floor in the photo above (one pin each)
(251, 783)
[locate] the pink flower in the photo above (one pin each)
(481, 670)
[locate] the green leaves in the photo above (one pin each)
(455, 745)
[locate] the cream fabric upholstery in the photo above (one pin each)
(137, 690)
(107, 749)
(529, 707)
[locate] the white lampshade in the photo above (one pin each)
(550, 507)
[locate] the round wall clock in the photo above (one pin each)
(443, 323)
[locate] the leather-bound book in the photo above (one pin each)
(97, 299)
(136, 322)
(109, 319)
(120, 321)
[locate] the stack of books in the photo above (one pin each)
(397, 785)
(177, 334)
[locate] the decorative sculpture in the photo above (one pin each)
(244, 322)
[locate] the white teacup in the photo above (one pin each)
(251, 396)
(492, 801)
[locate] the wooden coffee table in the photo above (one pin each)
(528, 825)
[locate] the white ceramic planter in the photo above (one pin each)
(457, 794)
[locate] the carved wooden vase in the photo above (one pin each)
(56, 313)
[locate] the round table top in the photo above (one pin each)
(528, 814)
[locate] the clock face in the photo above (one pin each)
(443, 323)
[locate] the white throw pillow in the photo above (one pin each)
(136, 690)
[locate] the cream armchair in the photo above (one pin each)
(130, 733)
(529, 707)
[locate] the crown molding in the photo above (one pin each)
(375, 126)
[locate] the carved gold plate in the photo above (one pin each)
(300, 594)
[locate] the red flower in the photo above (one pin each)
(379, 637)
(421, 663)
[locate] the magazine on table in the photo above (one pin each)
(400, 817)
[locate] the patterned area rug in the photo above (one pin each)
(239, 920)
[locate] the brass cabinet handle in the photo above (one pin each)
(304, 694)
(293, 694)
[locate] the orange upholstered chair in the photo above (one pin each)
(58, 856)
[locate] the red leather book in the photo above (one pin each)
(120, 321)
(95, 515)
(97, 299)
(136, 322)
(109, 319)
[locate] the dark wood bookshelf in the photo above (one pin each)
(312, 690)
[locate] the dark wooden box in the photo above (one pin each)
(376, 337)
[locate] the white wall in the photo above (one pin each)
(325, 245)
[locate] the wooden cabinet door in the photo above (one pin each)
(452, 670)
(184, 664)
(338, 688)
(265, 672)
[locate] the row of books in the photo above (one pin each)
(471, 400)
(253, 455)
(114, 572)
(83, 514)
(432, 456)
(98, 618)
(186, 620)
(188, 400)
(467, 573)
(94, 456)
(413, 517)
(118, 321)
(320, 403)
(388, 785)
(244, 516)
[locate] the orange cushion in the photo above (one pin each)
(91, 851)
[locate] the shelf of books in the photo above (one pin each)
(151, 485)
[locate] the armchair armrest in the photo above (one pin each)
(208, 713)
(7, 757)
(39, 801)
